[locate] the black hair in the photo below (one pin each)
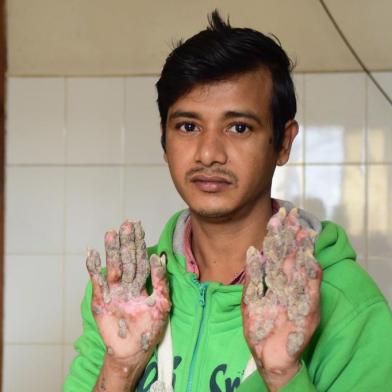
(220, 52)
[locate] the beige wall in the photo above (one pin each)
(132, 37)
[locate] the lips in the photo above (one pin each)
(210, 183)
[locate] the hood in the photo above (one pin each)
(331, 245)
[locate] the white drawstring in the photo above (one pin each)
(250, 368)
(165, 364)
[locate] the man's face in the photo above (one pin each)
(219, 145)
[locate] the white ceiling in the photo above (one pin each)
(128, 37)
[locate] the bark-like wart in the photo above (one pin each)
(146, 340)
(102, 385)
(150, 300)
(93, 262)
(255, 272)
(122, 328)
(142, 264)
(96, 309)
(288, 266)
(128, 249)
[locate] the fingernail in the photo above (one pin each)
(282, 211)
(251, 252)
(155, 260)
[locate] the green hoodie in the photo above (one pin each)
(351, 349)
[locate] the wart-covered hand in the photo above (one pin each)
(130, 321)
(280, 304)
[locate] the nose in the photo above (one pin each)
(211, 148)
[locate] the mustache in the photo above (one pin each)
(210, 171)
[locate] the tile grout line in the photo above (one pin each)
(366, 174)
(65, 182)
(123, 149)
(303, 153)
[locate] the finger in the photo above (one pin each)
(160, 295)
(158, 275)
(276, 221)
(277, 242)
(292, 219)
(142, 264)
(113, 262)
(254, 276)
(100, 288)
(310, 264)
(262, 318)
(314, 285)
(303, 291)
(127, 250)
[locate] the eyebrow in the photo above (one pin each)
(182, 113)
(246, 114)
(228, 115)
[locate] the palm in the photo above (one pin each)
(130, 321)
(281, 296)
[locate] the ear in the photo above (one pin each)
(290, 132)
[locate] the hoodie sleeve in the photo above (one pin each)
(357, 358)
(352, 348)
(85, 368)
(299, 383)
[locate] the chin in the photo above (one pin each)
(213, 212)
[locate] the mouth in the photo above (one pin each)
(210, 184)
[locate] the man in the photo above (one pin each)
(258, 295)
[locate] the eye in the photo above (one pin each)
(239, 128)
(186, 127)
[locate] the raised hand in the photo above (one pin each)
(280, 304)
(130, 321)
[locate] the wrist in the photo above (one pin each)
(124, 367)
(276, 378)
(119, 374)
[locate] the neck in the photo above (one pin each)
(220, 246)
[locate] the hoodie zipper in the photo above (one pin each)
(202, 300)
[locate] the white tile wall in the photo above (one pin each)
(83, 154)
(337, 193)
(381, 270)
(152, 187)
(93, 205)
(379, 211)
(142, 122)
(69, 354)
(35, 209)
(287, 184)
(75, 280)
(34, 299)
(32, 368)
(335, 117)
(297, 149)
(379, 120)
(35, 120)
(95, 120)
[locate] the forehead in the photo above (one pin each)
(250, 90)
